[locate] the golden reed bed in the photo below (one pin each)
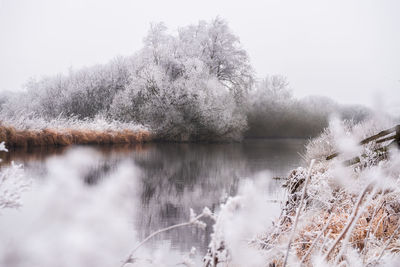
(51, 137)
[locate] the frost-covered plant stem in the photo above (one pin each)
(298, 212)
(326, 237)
(376, 210)
(349, 222)
(316, 239)
(356, 218)
(193, 221)
(388, 242)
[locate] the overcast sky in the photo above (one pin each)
(347, 50)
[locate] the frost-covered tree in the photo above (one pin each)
(220, 50)
(190, 86)
(193, 106)
(83, 93)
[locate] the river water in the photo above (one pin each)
(169, 179)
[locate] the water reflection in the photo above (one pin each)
(176, 177)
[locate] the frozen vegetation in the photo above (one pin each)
(12, 184)
(335, 213)
(196, 84)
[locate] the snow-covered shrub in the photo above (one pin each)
(84, 93)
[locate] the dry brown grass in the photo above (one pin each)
(382, 224)
(52, 137)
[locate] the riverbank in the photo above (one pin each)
(56, 137)
(334, 214)
(28, 133)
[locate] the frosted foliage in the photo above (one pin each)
(188, 86)
(234, 234)
(347, 215)
(3, 147)
(12, 185)
(343, 136)
(192, 107)
(83, 93)
(219, 49)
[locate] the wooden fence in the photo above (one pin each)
(392, 134)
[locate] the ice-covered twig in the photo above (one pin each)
(349, 222)
(326, 237)
(316, 239)
(188, 260)
(298, 212)
(194, 220)
(376, 210)
(356, 218)
(388, 242)
(3, 147)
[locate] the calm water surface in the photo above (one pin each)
(176, 177)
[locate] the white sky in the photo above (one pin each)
(345, 49)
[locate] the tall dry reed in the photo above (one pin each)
(56, 137)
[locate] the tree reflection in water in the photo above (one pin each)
(176, 177)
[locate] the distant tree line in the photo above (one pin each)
(196, 85)
(274, 112)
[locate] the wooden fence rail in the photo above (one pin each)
(394, 134)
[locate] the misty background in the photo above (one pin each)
(346, 50)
